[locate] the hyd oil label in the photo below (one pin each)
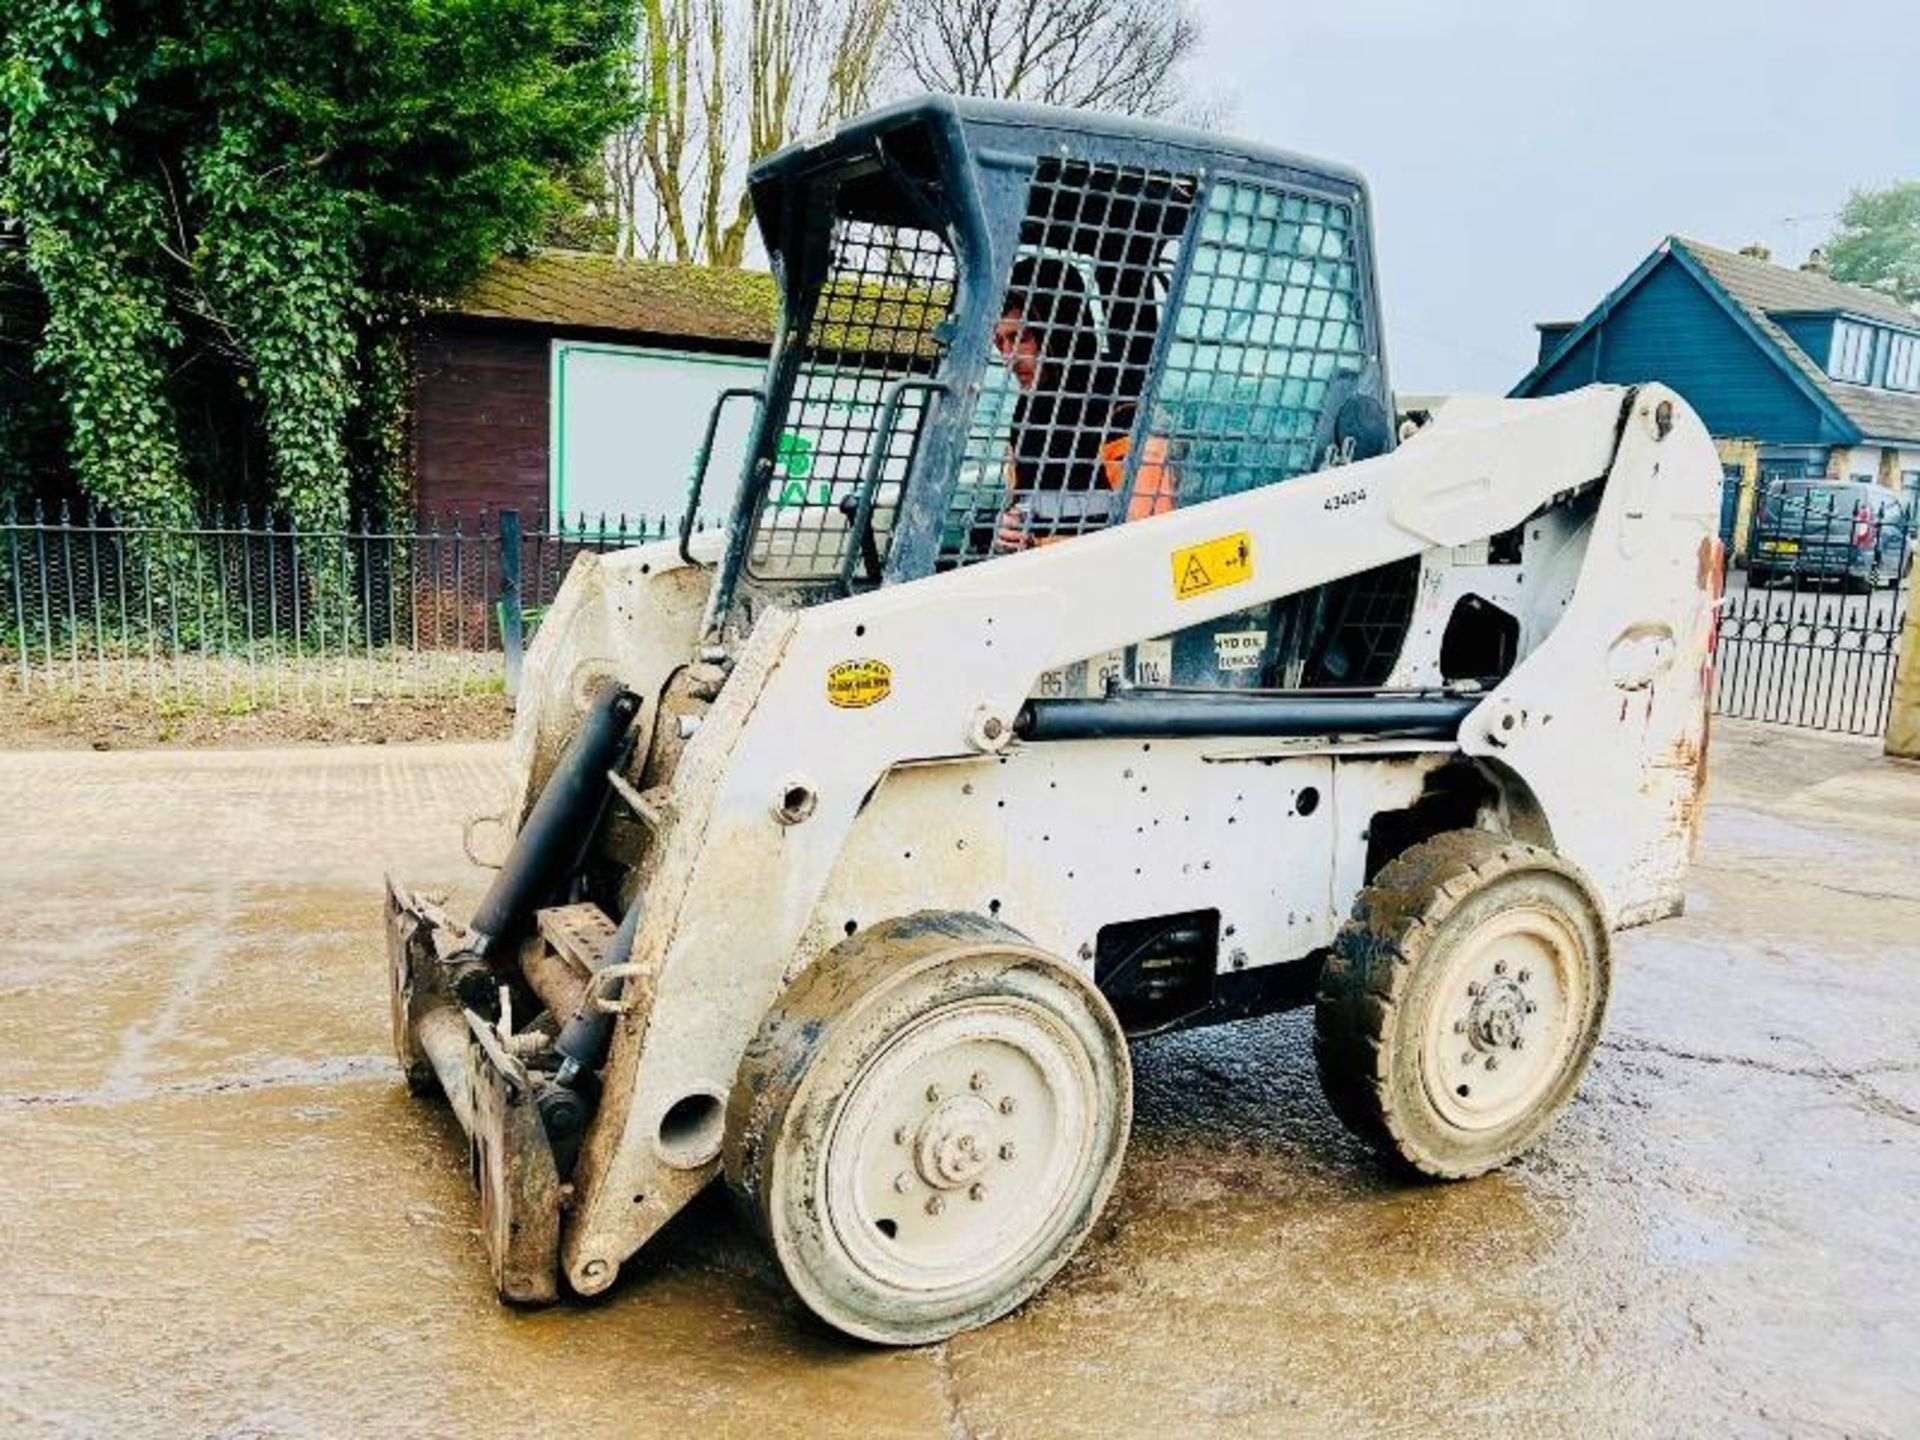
(856, 684)
(1212, 565)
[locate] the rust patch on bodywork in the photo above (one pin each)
(1693, 750)
(1712, 569)
(1688, 757)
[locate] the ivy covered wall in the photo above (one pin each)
(225, 213)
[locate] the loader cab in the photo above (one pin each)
(1197, 317)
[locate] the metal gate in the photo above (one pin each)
(1815, 607)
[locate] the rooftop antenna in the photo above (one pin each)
(1793, 223)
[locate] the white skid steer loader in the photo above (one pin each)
(1083, 660)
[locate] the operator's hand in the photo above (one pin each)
(1012, 534)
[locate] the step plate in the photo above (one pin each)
(580, 933)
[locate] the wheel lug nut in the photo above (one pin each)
(1006, 1105)
(1499, 967)
(1531, 1007)
(979, 1081)
(1467, 1059)
(934, 1092)
(1459, 1027)
(935, 1205)
(1518, 1041)
(1525, 976)
(1006, 1151)
(1473, 987)
(902, 1135)
(977, 1191)
(902, 1182)
(966, 1143)
(1493, 1062)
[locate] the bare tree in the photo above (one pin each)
(1122, 55)
(649, 163)
(727, 82)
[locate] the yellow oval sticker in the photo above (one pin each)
(856, 684)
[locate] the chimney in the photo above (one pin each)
(1816, 262)
(1756, 251)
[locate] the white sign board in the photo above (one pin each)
(627, 423)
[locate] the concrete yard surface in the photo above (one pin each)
(222, 1214)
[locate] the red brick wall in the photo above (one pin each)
(481, 414)
(480, 418)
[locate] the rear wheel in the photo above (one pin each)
(1462, 1002)
(928, 1124)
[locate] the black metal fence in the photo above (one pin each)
(237, 612)
(1815, 605)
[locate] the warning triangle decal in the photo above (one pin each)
(1194, 578)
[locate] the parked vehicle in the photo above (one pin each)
(1843, 530)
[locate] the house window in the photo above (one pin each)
(1903, 362)
(1852, 352)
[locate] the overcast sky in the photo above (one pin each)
(1524, 155)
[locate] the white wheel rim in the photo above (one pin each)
(1505, 1018)
(955, 1158)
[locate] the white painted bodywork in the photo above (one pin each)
(1601, 726)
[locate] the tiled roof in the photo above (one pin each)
(571, 289)
(1763, 289)
(1774, 287)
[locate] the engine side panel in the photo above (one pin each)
(1060, 840)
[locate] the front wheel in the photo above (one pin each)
(1462, 1002)
(928, 1124)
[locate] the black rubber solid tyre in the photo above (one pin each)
(1378, 988)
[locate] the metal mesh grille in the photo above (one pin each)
(1048, 445)
(1270, 313)
(1371, 613)
(887, 290)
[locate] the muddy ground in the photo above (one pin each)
(222, 1214)
(47, 718)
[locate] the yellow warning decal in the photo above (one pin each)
(856, 684)
(1212, 565)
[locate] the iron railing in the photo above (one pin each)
(240, 611)
(1811, 625)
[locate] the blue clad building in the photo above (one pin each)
(1794, 373)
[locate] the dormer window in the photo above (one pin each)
(1903, 362)
(1852, 359)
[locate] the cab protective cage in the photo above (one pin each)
(1226, 298)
